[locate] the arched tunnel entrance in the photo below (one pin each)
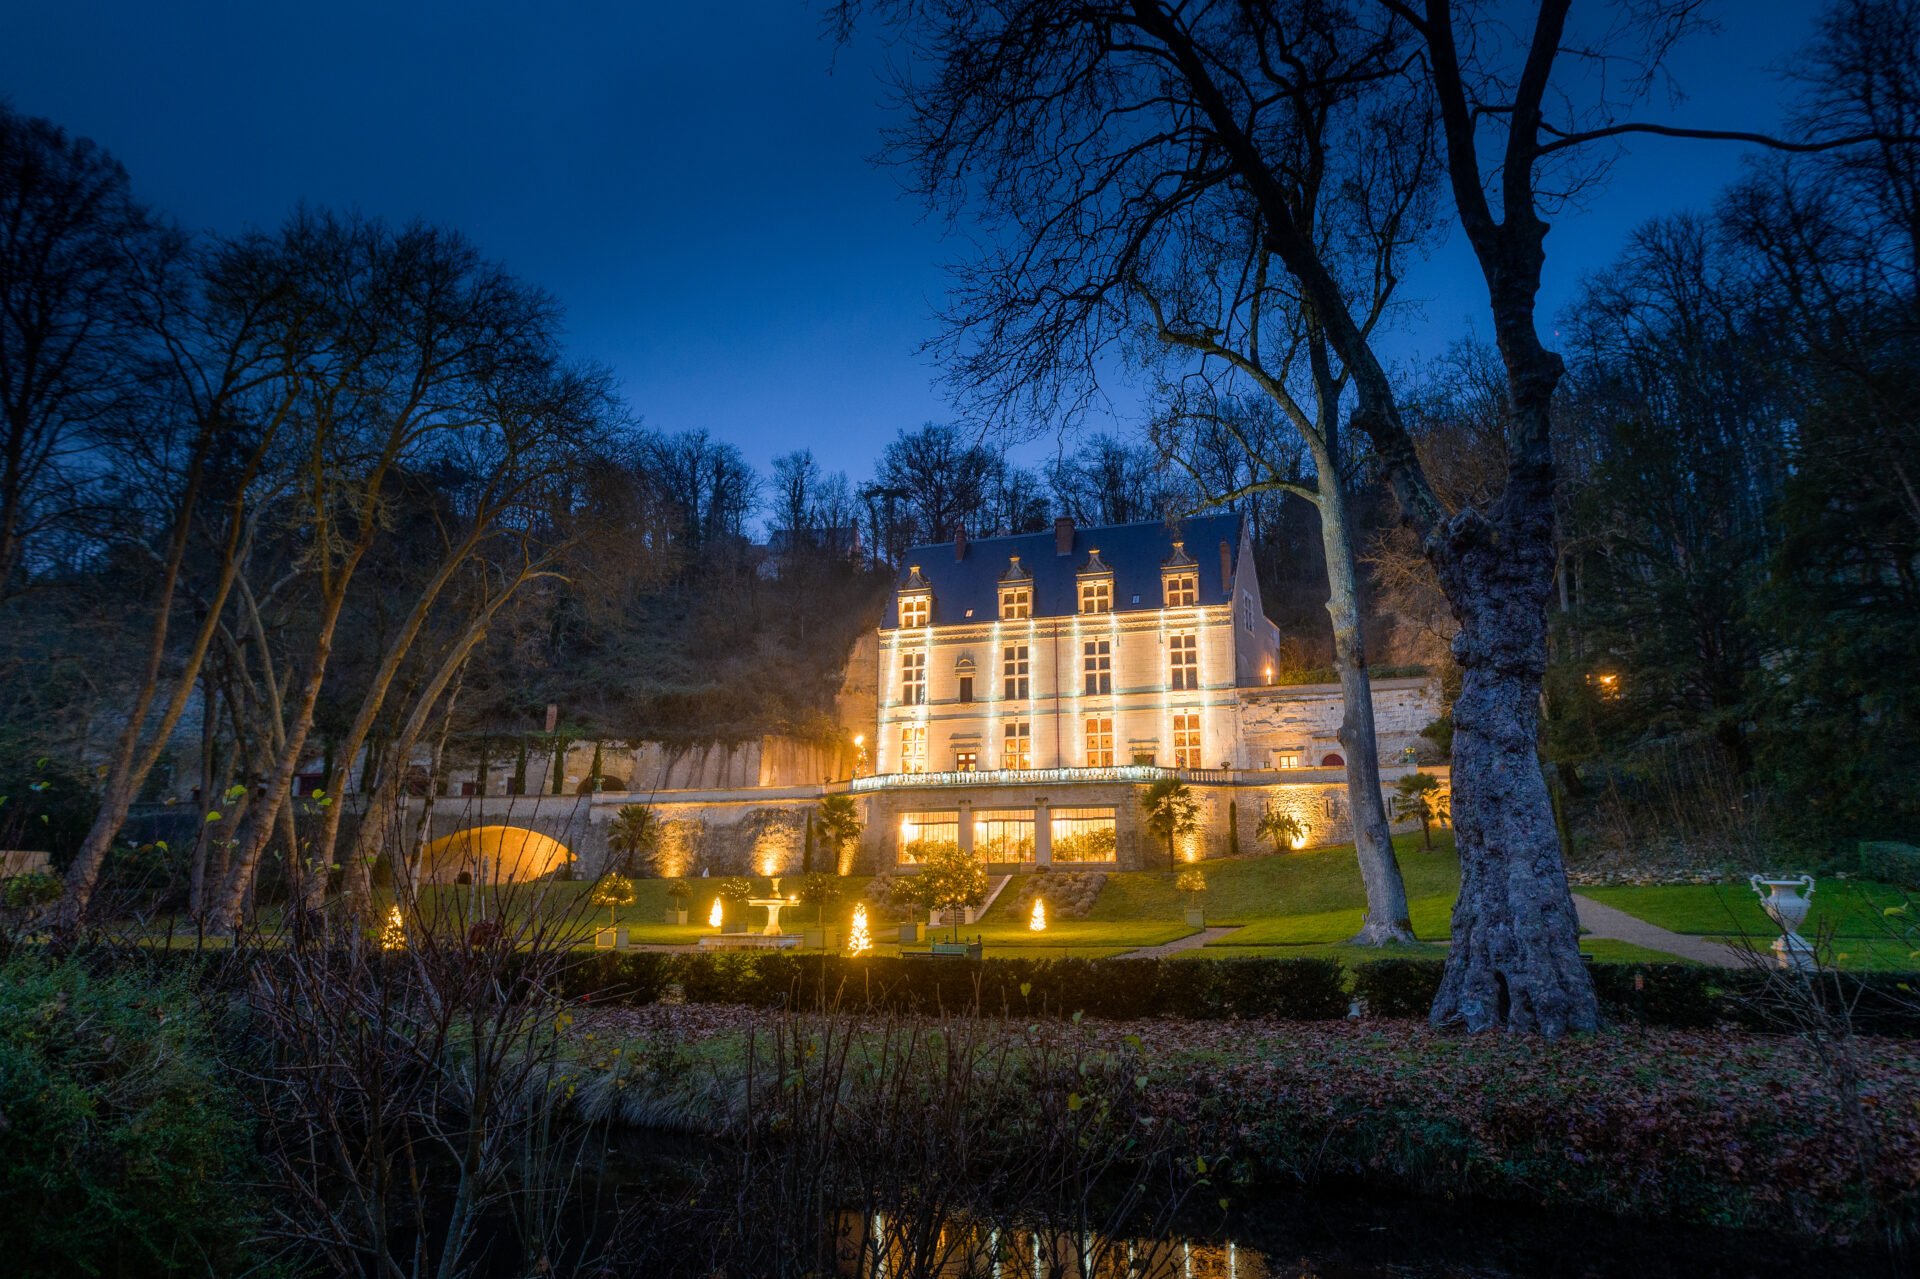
(492, 855)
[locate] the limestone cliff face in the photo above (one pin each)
(857, 705)
(1304, 720)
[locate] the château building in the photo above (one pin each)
(1029, 686)
(1017, 698)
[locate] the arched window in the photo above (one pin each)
(1333, 761)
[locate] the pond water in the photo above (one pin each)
(1258, 1236)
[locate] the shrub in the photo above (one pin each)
(1069, 894)
(1300, 989)
(1890, 862)
(122, 1150)
(1679, 995)
(30, 891)
(1398, 987)
(639, 977)
(1296, 989)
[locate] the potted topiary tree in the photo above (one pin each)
(734, 891)
(821, 891)
(952, 881)
(677, 895)
(1193, 882)
(613, 892)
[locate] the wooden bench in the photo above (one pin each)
(948, 950)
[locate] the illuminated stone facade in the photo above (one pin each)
(1072, 649)
(1018, 699)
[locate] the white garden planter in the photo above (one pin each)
(1787, 901)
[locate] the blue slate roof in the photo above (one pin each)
(1135, 553)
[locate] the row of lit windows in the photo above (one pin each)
(1016, 745)
(1181, 590)
(1016, 664)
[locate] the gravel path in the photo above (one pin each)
(1192, 942)
(1616, 925)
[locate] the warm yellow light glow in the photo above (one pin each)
(1039, 921)
(1299, 842)
(859, 940)
(907, 829)
(394, 935)
(859, 739)
(716, 916)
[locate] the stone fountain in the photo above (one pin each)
(1786, 901)
(768, 938)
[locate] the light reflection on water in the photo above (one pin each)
(872, 1247)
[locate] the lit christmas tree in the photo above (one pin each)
(1039, 921)
(716, 916)
(394, 935)
(859, 942)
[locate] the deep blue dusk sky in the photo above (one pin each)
(692, 181)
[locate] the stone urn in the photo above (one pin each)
(1787, 901)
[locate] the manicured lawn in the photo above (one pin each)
(1349, 956)
(1854, 954)
(1852, 907)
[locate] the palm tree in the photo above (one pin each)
(1418, 795)
(1171, 812)
(632, 833)
(839, 824)
(1283, 828)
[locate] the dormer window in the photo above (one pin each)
(1180, 578)
(1096, 586)
(916, 600)
(1016, 593)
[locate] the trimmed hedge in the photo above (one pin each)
(1294, 989)
(1890, 862)
(1671, 995)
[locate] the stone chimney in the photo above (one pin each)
(960, 544)
(1226, 567)
(1063, 536)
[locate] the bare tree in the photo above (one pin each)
(220, 391)
(72, 240)
(1143, 109)
(417, 329)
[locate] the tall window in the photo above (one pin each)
(1096, 595)
(915, 610)
(1099, 667)
(1016, 603)
(913, 678)
(1100, 741)
(1017, 746)
(1186, 741)
(1183, 590)
(1017, 682)
(913, 748)
(966, 688)
(1183, 659)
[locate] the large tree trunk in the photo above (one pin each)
(1387, 917)
(131, 762)
(228, 906)
(1515, 958)
(370, 704)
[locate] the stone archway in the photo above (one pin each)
(493, 854)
